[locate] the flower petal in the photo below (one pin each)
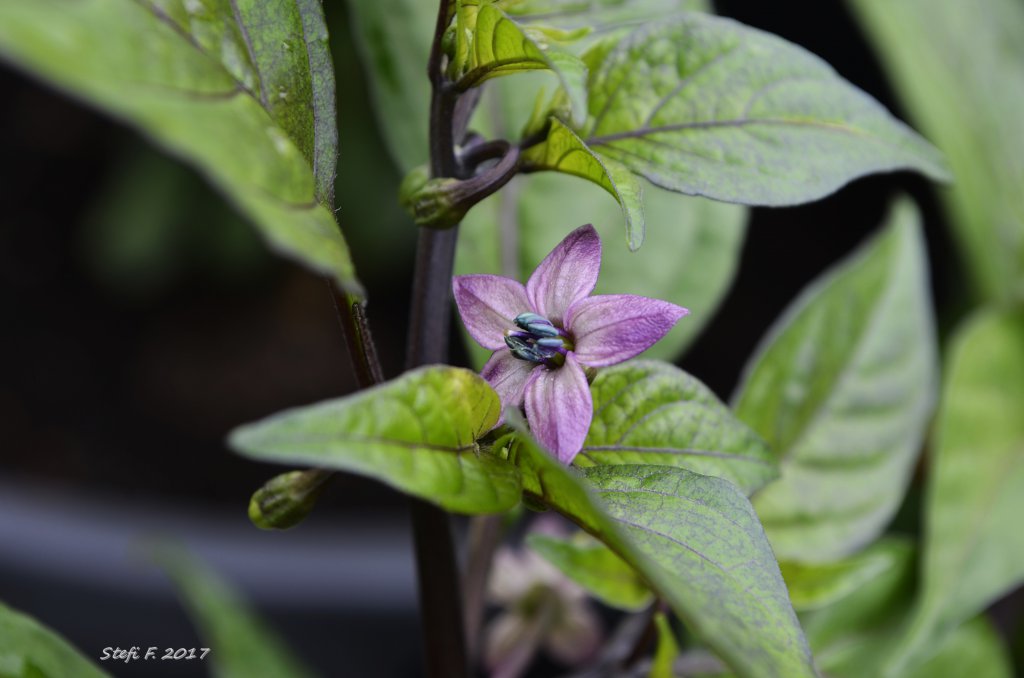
(507, 375)
(614, 327)
(559, 408)
(510, 578)
(510, 643)
(578, 635)
(567, 274)
(488, 304)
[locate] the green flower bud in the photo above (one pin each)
(285, 500)
(434, 203)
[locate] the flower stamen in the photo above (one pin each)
(537, 340)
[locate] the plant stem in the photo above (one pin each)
(436, 569)
(351, 311)
(485, 534)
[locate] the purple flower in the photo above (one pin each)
(545, 333)
(542, 609)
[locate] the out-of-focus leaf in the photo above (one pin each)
(842, 389)
(596, 568)
(136, 62)
(974, 649)
(241, 644)
(959, 68)
(154, 221)
(394, 39)
(706, 106)
(30, 650)
(667, 649)
(696, 540)
(564, 152)
(815, 586)
(974, 545)
(416, 433)
(852, 636)
(488, 44)
(653, 413)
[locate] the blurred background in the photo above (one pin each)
(143, 319)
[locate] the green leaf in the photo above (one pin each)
(394, 38)
(697, 541)
(667, 650)
(974, 545)
(596, 568)
(815, 586)
(959, 69)
(278, 52)
(137, 63)
(601, 16)
(853, 636)
(974, 649)
(842, 389)
(241, 644)
(647, 412)
(489, 44)
(416, 433)
(706, 106)
(564, 152)
(30, 650)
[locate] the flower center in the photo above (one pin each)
(537, 340)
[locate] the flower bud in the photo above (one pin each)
(285, 500)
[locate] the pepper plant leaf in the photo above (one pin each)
(696, 540)
(706, 106)
(565, 152)
(960, 73)
(138, 62)
(667, 649)
(596, 568)
(974, 548)
(842, 388)
(601, 16)
(393, 37)
(646, 412)
(852, 636)
(488, 44)
(416, 433)
(242, 644)
(812, 587)
(973, 649)
(29, 649)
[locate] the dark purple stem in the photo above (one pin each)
(436, 569)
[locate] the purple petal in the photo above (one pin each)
(611, 328)
(559, 408)
(566, 275)
(578, 635)
(488, 304)
(507, 375)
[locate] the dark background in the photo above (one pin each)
(142, 320)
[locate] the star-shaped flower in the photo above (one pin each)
(545, 333)
(542, 609)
